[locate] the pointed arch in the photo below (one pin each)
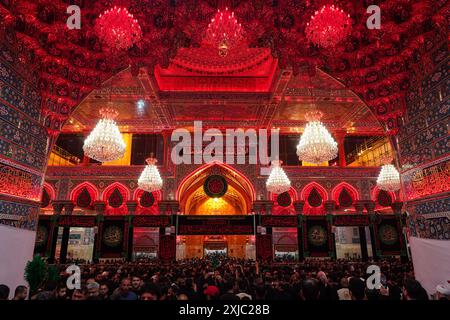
(307, 189)
(123, 189)
(335, 193)
(246, 182)
(242, 189)
(154, 209)
(282, 210)
(124, 192)
(374, 196)
(304, 194)
(92, 189)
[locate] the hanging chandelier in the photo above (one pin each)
(277, 182)
(224, 32)
(389, 178)
(105, 143)
(150, 179)
(328, 26)
(316, 143)
(117, 28)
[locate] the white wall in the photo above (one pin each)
(431, 260)
(16, 249)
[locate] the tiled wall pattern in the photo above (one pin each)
(425, 147)
(23, 145)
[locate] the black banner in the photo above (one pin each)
(112, 238)
(279, 221)
(202, 225)
(76, 221)
(389, 237)
(317, 237)
(43, 236)
(351, 220)
(151, 221)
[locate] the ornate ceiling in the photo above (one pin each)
(343, 110)
(378, 65)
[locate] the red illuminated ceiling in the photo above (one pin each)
(203, 70)
(284, 106)
(378, 65)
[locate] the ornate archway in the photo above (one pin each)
(238, 196)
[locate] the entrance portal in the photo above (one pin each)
(198, 198)
(236, 246)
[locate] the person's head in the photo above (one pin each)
(21, 293)
(322, 277)
(79, 294)
(344, 282)
(150, 293)
(182, 296)
(103, 290)
(93, 289)
(4, 292)
(357, 288)
(61, 291)
(135, 282)
(211, 292)
(125, 285)
(310, 289)
(413, 290)
(443, 291)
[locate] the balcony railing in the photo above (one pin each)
(61, 157)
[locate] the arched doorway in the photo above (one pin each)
(196, 198)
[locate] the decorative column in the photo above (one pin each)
(298, 205)
(131, 205)
(268, 206)
(340, 137)
(256, 208)
(397, 207)
(99, 207)
(370, 207)
(168, 207)
(68, 209)
(261, 207)
(330, 206)
(363, 243)
(53, 232)
(359, 206)
(162, 207)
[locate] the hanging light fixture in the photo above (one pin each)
(150, 180)
(389, 177)
(316, 143)
(224, 32)
(277, 182)
(105, 143)
(328, 26)
(117, 28)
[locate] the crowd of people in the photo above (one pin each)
(224, 278)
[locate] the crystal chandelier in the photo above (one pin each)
(277, 182)
(328, 26)
(105, 143)
(150, 179)
(118, 28)
(389, 178)
(316, 143)
(224, 32)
